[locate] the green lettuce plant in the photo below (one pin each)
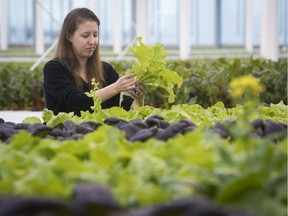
(150, 67)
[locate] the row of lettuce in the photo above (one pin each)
(205, 82)
(243, 173)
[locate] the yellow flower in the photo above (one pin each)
(247, 87)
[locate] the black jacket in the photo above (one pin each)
(62, 95)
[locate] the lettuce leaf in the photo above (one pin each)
(150, 67)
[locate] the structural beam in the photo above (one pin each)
(142, 19)
(39, 31)
(249, 26)
(117, 36)
(218, 23)
(3, 25)
(184, 32)
(269, 37)
(70, 5)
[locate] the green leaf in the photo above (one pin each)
(150, 67)
(60, 118)
(240, 186)
(66, 162)
(42, 181)
(24, 141)
(47, 115)
(32, 120)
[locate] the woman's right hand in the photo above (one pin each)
(125, 83)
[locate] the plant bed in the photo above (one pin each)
(239, 172)
(176, 160)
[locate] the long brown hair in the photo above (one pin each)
(64, 51)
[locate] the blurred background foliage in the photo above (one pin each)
(205, 82)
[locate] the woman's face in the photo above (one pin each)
(85, 39)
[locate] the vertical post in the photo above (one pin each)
(269, 36)
(249, 26)
(142, 19)
(70, 4)
(218, 6)
(263, 30)
(184, 33)
(117, 40)
(39, 33)
(3, 25)
(133, 19)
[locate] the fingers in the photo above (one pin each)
(138, 92)
(142, 88)
(132, 93)
(128, 79)
(134, 89)
(126, 82)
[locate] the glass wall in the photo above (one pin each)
(203, 22)
(232, 22)
(210, 25)
(283, 22)
(20, 22)
(163, 21)
(105, 12)
(128, 21)
(53, 18)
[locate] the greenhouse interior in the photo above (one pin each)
(143, 107)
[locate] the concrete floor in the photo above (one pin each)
(18, 116)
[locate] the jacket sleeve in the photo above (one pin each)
(62, 93)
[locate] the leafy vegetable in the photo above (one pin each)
(97, 100)
(32, 120)
(197, 164)
(151, 69)
(241, 172)
(195, 113)
(50, 119)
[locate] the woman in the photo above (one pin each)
(68, 76)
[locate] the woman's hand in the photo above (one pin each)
(125, 83)
(138, 94)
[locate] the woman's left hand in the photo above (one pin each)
(138, 93)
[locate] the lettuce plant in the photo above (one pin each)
(150, 67)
